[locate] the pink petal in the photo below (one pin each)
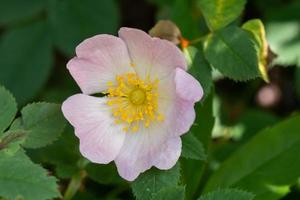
(184, 116)
(100, 138)
(188, 91)
(99, 58)
(152, 56)
(187, 87)
(169, 154)
(89, 76)
(147, 148)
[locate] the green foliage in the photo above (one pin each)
(22, 179)
(11, 11)
(35, 35)
(283, 33)
(185, 15)
(10, 141)
(45, 123)
(233, 52)
(104, 174)
(170, 193)
(66, 163)
(8, 109)
(228, 194)
(258, 30)
(192, 148)
(219, 13)
(248, 125)
(73, 21)
(192, 170)
(273, 148)
(150, 183)
(25, 60)
(199, 68)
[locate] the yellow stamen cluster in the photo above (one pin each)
(133, 101)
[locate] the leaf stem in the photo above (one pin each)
(197, 40)
(74, 185)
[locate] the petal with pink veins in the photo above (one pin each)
(99, 59)
(153, 57)
(147, 148)
(100, 138)
(187, 87)
(188, 91)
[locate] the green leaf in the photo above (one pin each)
(45, 123)
(73, 21)
(185, 14)
(228, 194)
(250, 122)
(204, 122)
(199, 68)
(22, 179)
(192, 147)
(103, 174)
(192, 170)
(67, 161)
(153, 181)
(12, 11)
(258, 165)
(11, 140)
(256, 27)
(25, 60)
(220, 13)
(170, 193)
(8, 109)
(233, 51)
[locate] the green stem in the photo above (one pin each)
(74, 185)
(197, 40)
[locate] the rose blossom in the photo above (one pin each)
(148, 101)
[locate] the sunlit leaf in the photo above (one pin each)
(257, 28)
(219, 13)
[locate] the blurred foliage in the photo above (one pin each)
(235, 141)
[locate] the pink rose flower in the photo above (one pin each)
(148, 103)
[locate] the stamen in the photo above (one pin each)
(133, 100)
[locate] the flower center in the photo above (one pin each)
(133, 101)
(137, 96)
